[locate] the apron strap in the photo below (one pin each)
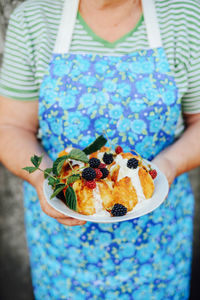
(68, 20)
(152, 25)
(66, 27)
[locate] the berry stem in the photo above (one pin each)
(70, 166)
(65, 177)
(47, 173)
(81, 168)
(75, 172)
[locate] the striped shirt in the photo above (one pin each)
(32, 33)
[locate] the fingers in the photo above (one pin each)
(70, 221)
(61, 218)
(51, 212)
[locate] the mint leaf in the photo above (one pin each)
(52, 181)
(58, 188)
(30, 169)
(71, 199)
(96, 145)
(47, 172)
(79, 155)
(58, 163)
(73, 178)
(36, 160)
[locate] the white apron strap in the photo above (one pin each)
(68, 20)
(152, 25)
(66, 27)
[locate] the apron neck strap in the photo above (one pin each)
(66, 27)
(68, 20)
(152, 25)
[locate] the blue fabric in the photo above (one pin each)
(135, 98)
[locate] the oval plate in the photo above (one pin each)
(142, 208)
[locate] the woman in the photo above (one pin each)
(131, 68)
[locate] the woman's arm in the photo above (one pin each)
(184, 154)
(18, 142)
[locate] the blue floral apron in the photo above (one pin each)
(134, 97)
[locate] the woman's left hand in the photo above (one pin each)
(165, 166)
(184, 154)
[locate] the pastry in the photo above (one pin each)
(108, 179)
(98, 180)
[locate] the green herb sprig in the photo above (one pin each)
(55, 180)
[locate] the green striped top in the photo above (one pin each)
(33, 28)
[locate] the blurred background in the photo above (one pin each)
(15, 281)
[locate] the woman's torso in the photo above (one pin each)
(38, 22)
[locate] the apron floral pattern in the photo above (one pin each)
(134, 97)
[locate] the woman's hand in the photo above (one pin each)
(184, 154)
(166, 166)
(47, 209)
(18, 131)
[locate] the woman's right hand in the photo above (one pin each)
(18, 134)
(50, 211)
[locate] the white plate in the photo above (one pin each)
(142, 208)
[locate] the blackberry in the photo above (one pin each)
(88, 174)
(94, 162)
(108, 158)
(105, 173)
(132, 163)
(118, 210)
